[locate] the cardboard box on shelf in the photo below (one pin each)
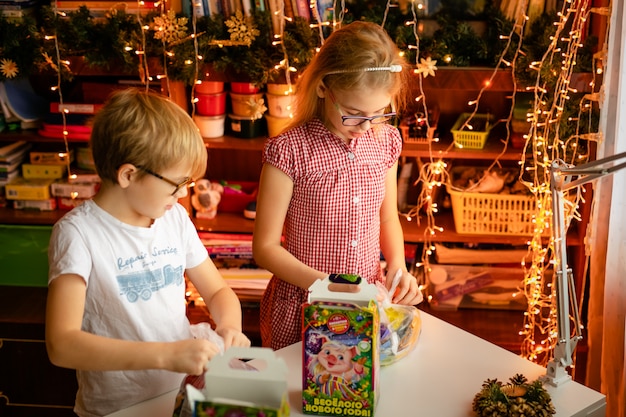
(42, 205)
(57, 157)
(28, 189)
(469, 286)
(64, 188)
(43, 171)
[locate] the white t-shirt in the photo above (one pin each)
(135, 291)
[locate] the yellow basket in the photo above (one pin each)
(492, 214)
(471, 139)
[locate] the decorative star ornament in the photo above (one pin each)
(242, 29)
(426, 67)
(8, 68)
(256, 107)
(170, 28)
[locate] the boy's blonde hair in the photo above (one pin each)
(345, 62)
(145, 129)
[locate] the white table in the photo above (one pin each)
(439, 378)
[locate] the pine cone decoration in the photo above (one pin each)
(517, 399)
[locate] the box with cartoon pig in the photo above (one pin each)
(340, 349)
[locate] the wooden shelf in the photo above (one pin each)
(225, 223)
(231, 143)
(32, 136)
(444, 149)
(414, 233)
(29, 217)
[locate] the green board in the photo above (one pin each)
(24, 255)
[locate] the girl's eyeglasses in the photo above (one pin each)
(358, 120)
(188, 181)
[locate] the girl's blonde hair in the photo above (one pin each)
(148, 130)
(359, 56)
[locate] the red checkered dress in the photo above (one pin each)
(333, 220)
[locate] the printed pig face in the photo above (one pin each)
(336, 358)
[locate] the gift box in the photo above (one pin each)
(340, 349)
(242, 382)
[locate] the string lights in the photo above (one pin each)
(544, 141)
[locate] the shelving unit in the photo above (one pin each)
(236, 159)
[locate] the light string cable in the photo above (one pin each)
(599, 62)
(144, 68)
(432, 174)
(544, 145)
(517, 34)
(315, 13)
(197, 57)
(284, 63)
(58, 67)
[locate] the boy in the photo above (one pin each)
(116, 310)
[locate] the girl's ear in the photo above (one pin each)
(321, 90)
(125, 174)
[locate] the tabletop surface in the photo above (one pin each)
(440, 376)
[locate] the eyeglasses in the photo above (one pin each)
(358, 120)
(185, 182)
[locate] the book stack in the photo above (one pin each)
(12, 154)
(21, 106)
(18, 9)
(232, 254)
(72, 118)
(100, 8)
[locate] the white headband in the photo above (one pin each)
(391, 68)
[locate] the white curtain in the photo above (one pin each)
(606, 363)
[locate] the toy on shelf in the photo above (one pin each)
(206, 198)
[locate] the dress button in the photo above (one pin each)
(351, 156)
(356, 200)
(353, 243)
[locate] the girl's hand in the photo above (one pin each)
(407, 292)
(233, 337)
(191, 356)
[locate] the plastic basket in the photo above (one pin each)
(492, 214)
(471, 139)
(414, 128)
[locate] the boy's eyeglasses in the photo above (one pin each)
(185, 182)
(358, 120)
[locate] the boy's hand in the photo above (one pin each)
(191, 356)
(233, 337)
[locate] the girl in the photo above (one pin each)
(328, 183)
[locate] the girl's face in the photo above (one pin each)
(365, 103)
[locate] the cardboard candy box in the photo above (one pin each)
(340, 350)
(236, 388)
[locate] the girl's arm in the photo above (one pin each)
(275, 191)
(222, 302)
(392, 244)
(70, 347)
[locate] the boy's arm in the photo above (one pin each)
(70, 347)
(222, 302)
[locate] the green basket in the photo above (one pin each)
(471, 139)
